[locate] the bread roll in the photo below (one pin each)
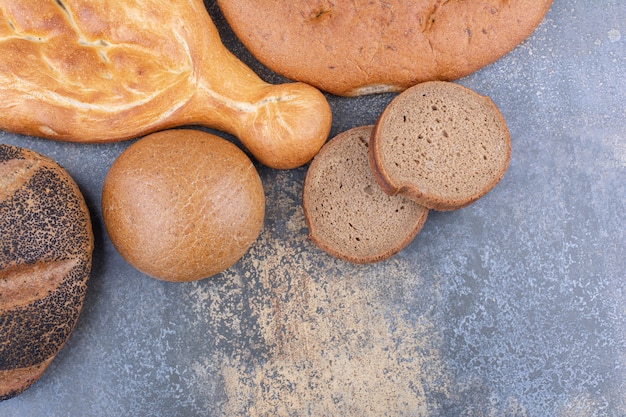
(181, 205)
(347, 213)
(440, 144)
(45, 262)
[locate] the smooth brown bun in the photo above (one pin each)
(113, 70)
(45, 261)
(182, 205)
(352, 48)
(440, 144)
(347, 213)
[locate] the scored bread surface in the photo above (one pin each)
(45, 261)
(440, 144)
(91, 71)
(347, 213)
(359, 47)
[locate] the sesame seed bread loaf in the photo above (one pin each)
(46, 248)
(440, 144)
(352, 48)
(347, 213)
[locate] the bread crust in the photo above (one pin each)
(182, 204)
(348, 216)
(88, 71)
(460, 135)
(45, 262)
(14, 382)
(363, 47)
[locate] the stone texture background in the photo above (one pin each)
(514, 306)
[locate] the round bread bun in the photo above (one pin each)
(353, 48)
(347, 213)
(440, 144)
(46, 251)
(182, 205)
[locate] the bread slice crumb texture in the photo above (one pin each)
(441, 144)
(348, 214)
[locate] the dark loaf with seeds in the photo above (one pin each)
(46, 246)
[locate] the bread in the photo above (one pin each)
(346, 212)
(182, 205)
(97, 71)
(45, 262)
(440, 144)
(352, 48)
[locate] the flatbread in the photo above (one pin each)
(359, 47)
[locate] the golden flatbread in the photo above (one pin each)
(360, 47)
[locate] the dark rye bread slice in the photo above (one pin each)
(358, 47)
(347, 213)
(440, 144)
(46, 250)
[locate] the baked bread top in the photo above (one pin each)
(440, 144)
(359, 47)
(72, 68)
(183, 204)
(90, 71)
(45, 261)
(347, 213)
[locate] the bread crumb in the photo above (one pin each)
(297, 332)
(334, 349)
(336, 340)
(614, 35)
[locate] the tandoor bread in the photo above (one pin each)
(46, 249)
(358, 47)
(440, 144)
(347, 213)
(97, 71)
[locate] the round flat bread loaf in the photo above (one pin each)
(46, 249)
(347, 213)
(359, 47)
(440, 144)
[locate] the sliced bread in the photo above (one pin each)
(347, 213)
(440, 144)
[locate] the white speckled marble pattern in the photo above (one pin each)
(513, 306)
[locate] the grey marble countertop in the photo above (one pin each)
(513, 306)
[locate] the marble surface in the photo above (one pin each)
(513, 306)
